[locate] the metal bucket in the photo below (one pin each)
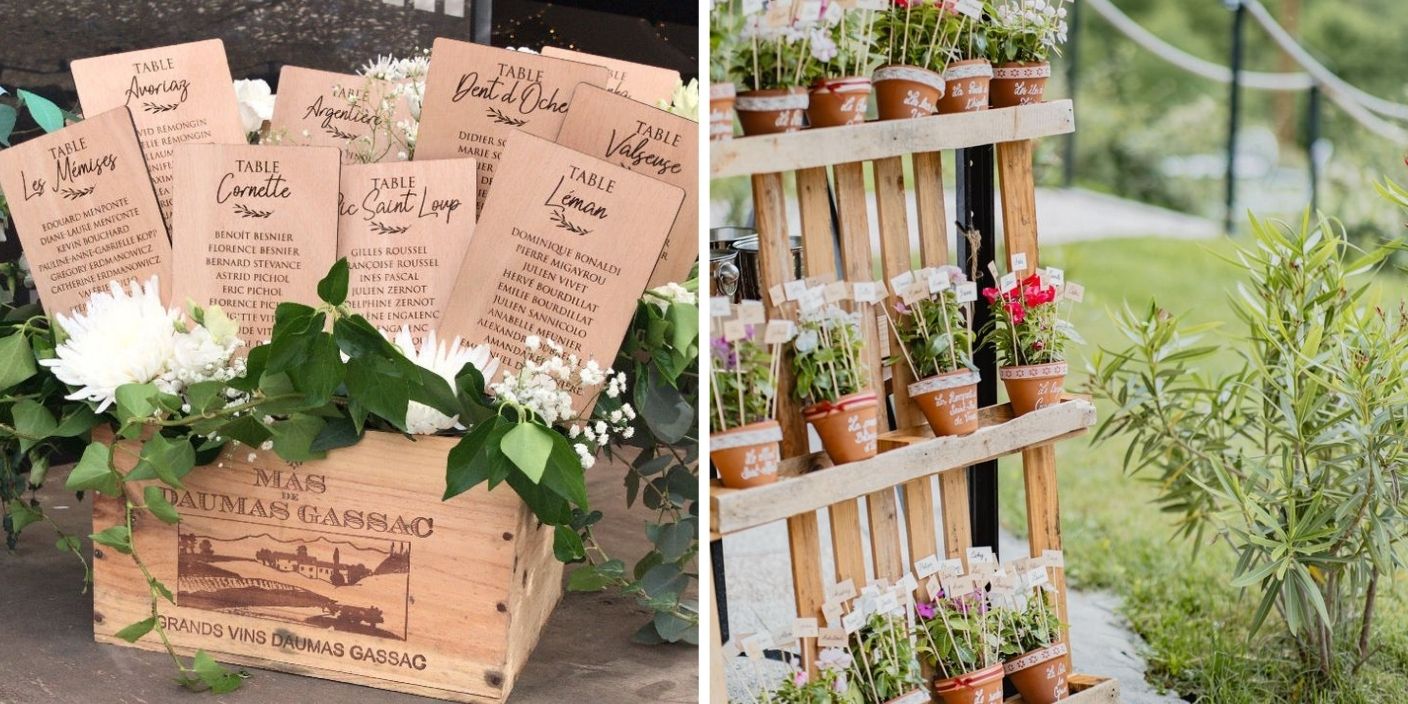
(749, 282)
(723, 273)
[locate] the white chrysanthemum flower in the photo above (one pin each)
(446, 361)
(256, 103)
(119, 337)
(684, 101)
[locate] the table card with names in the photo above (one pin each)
(475, 96)
(640, 82)
(403, 228)
(650, 141)
(178, 94)
(254, 226)
(326, 109)
(85, 211)
(562, 250)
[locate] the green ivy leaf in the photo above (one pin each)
(134, 632)
(567, 545)
(336, 433)
(79, 420)
(33, 422)
(321, 372)
(92, 472)
(16, 360)
(564, 475)
(588, 579)
(669, 416)
(21, 514)
(373, 381)
(470, 460)
(205, 396)
(247, 429)
(135, 402)
(8, 115)
(333, 287)
(684, 322)
(671, 627)
(215, 676)
(293, 438)
(161, 508)
(528, 445)
(45, 113)
(117, 537)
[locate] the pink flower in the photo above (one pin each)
(799, 678)
(925, 610)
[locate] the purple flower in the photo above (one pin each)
(901, 308)
(800, 678)
(723, 353)
(925, 610)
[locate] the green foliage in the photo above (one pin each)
(842, 47)
(935, 335)
(963, 635)
(742, 383)
(918, 34)
(830, 686)
(829, 356)
(1027, 324)
(1027, 32)
(1026, 629)
(885, 663)
(1290, 459)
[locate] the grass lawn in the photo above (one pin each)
(1115, 538)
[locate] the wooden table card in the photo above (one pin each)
(255, 226)
(178, 94)
(476, 95)
(326, 109)
(640, 82)
(403, 228)
(562, 250)
(650, 141)
(85, 211)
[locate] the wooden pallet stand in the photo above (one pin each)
(349, 568)
(897, 486)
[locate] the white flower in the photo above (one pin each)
(684, 101)
(446, 361)
(256, 103)
(806, 341)
(119, 337)
(532, 342)
(671, 293)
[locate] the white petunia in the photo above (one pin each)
(122, 336)
(446, 361)
(256, 103)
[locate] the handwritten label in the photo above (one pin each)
(326, 109)
(805, 628)
(649, 85)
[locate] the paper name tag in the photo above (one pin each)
(756, 645)
(979, 554)
(1008, 282)
(1019, 262)
(934, 586)
(649, 141)
(852, 621)
(752, 312)
(927, 566)
(795, 289)
(731, 650)
(1054, 558)
(832, 638)
(562, 251)
(908, 582)
(720, 307)
(952, 567)
(779, 331)
(971, 8)
(646, 84)
(85, 210)
(835, 292)
(477, 96)
(887, 603)
(254, 226)
(867, 291)
(735, 330)
(899, 282)
(938, 281)
(832, 611)
(843, 590)
(1055, 277)
(326, 109)
(805, 628)
(180, 94)
(776, 295)
(967, 292)
(404, 227)
(1074, 291)
(1035, 577)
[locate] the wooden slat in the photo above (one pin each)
(895, 259)
(744, 156)
(846, 545)
(885, 535)
(1044, 513)
(857, 263)
(958, 528)
(930, 209)
(775, 266)
(817, 486)
(1086, 689)
(1014, 171)
(804, 539)
(814, 202)
(919, 522)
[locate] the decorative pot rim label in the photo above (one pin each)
(770, 103)
(1033, 371)
(1035, 657)
(851, 84)
(951, 380)
(910, 73)
(977, 69)
(975, 678)
(851, 402)
(722, 90)
(738, 437)
(1030, 71)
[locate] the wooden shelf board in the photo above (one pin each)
(810, 482)
(774, 153)
(1086, 689)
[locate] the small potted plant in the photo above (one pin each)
(968, 75)
(831, 685)
(936, 342)
(744, 437)
(1029, 333)
(1023, 36)
(768, 62)
(829, 363)
(961, 644)
(838, 67)
(911, 33)
(886, 667)
(1037, 660)
(724, 25)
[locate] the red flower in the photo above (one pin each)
(1017, 312)
(1035, 295)
(990, 293)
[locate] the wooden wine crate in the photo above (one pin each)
(349, 568)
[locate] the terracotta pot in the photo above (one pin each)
(918, 696)
(1019, 84)
(966, 86)
(771, 111)
(949, 401)
(849, 428)
(721, 97)
(747, 455)
(902, 92)
(1040, 675)
(839, 101)
(1033, 386)
(980, 687)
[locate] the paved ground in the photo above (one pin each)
(49, 656)
(760, 597)
(1063, 215)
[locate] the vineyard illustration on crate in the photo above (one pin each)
(325, 580)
